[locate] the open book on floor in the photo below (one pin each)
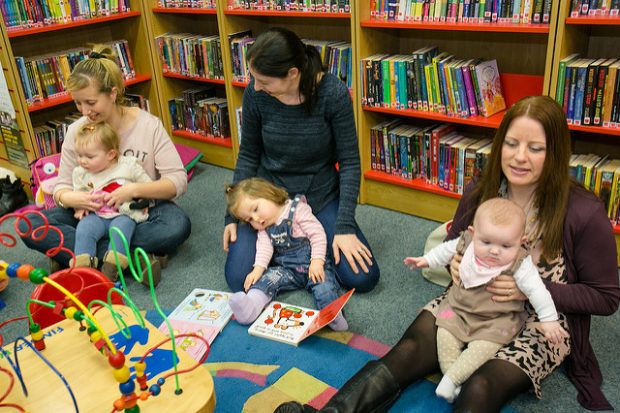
(203, 312)
(291, 323)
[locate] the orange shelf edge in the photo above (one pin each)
(595, 129)
(240, 84)
(225, 142)
(417, 183)
(277, 13)
(471, 27)
(60, 100)
(183, 10)
(53, 27)
(594, 20)
(193, 78)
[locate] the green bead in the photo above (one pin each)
(91, 330)
(34, 328)
(37, 275)
(78, 316)
(135, 409)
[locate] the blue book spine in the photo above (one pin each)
(579, 94)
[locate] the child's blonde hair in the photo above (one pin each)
(100, 133)
(502, 212)
(254, 188)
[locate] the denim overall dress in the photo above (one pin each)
(288, 268)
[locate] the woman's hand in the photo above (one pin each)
(81, 200)
(504, 288)
(230, 235)
(454, 269)
(122, 194)
(354, 251)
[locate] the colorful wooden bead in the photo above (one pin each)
(144, 396)
(37, 335)
(122, 375)
(23, 272)
(128, 387)
(135, 409)
(119, 404)
(78, 315)
(11, 270)
(161, 381)
(34, 327)
(142, 381)
(140, 367)
(69, 312)
(155, 389)
(117, 360)
(130, 401)
(94, 337)
(37, 275)
(39, 345)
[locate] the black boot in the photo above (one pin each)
(372, 390)
(13, 195)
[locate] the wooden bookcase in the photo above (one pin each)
(130, 26)
(524, 55)
(592, 37)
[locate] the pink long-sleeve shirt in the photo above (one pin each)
(305, 224)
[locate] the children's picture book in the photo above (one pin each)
(490, 88)
(291, 324)
(203, 312)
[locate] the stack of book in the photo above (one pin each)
(192, 4)
(589, 90)
(336, 56)
(581, 8)
(322, 6)
(438, 154)
(200, 111)
(463, 11)
(191, 55)
(20, 14)
(240, 42)
(431, 81)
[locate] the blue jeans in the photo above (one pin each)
(241, 254)
(92, 228)
(167, 227)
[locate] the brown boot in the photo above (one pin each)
(155, 270)
(83, 260)
(109, 268)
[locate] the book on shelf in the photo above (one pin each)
(203, 312)
(291, 324)
(490, 87)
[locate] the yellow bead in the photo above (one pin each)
(37, 335)
(70, 312)
(94, 337)
(140, 367)
(122, 375)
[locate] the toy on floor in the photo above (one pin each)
(71, 358)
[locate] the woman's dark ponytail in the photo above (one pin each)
(277, 50)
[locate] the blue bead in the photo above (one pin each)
(128, 387)
(11, 270)
(155, 389)
(161, 381)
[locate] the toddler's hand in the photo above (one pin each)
(415, 262)
(316, 272)
(80, 213)
(553, 331)
(253, 277)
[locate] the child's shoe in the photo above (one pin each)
(155, 270)
(83, 260)
(247, 307)
(109, 268)
(339, 323)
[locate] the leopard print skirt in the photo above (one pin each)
(529, 351)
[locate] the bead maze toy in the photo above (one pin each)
(105, 371)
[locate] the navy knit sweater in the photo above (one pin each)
(299, 151)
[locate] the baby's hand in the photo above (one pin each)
(553, 331)
(253, 277)
(316, 272)
(80, 213)
(415, 262)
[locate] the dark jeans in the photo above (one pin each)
(166, 228)
(241, 254)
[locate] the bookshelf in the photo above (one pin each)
(37, 41)
(216, 150)
(524, 55)
(592, 37)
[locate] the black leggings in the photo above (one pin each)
(487, 390)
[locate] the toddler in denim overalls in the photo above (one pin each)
(291, 250)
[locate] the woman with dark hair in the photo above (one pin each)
(571, 242)
(298, 132)
(97, 88)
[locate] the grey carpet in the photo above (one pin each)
(382, 314)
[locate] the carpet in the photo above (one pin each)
(255, 375)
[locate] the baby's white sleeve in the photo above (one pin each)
(529, 282)
(442, 254)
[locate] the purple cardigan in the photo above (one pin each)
(592, 289)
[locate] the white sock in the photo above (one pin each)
(446, 388)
